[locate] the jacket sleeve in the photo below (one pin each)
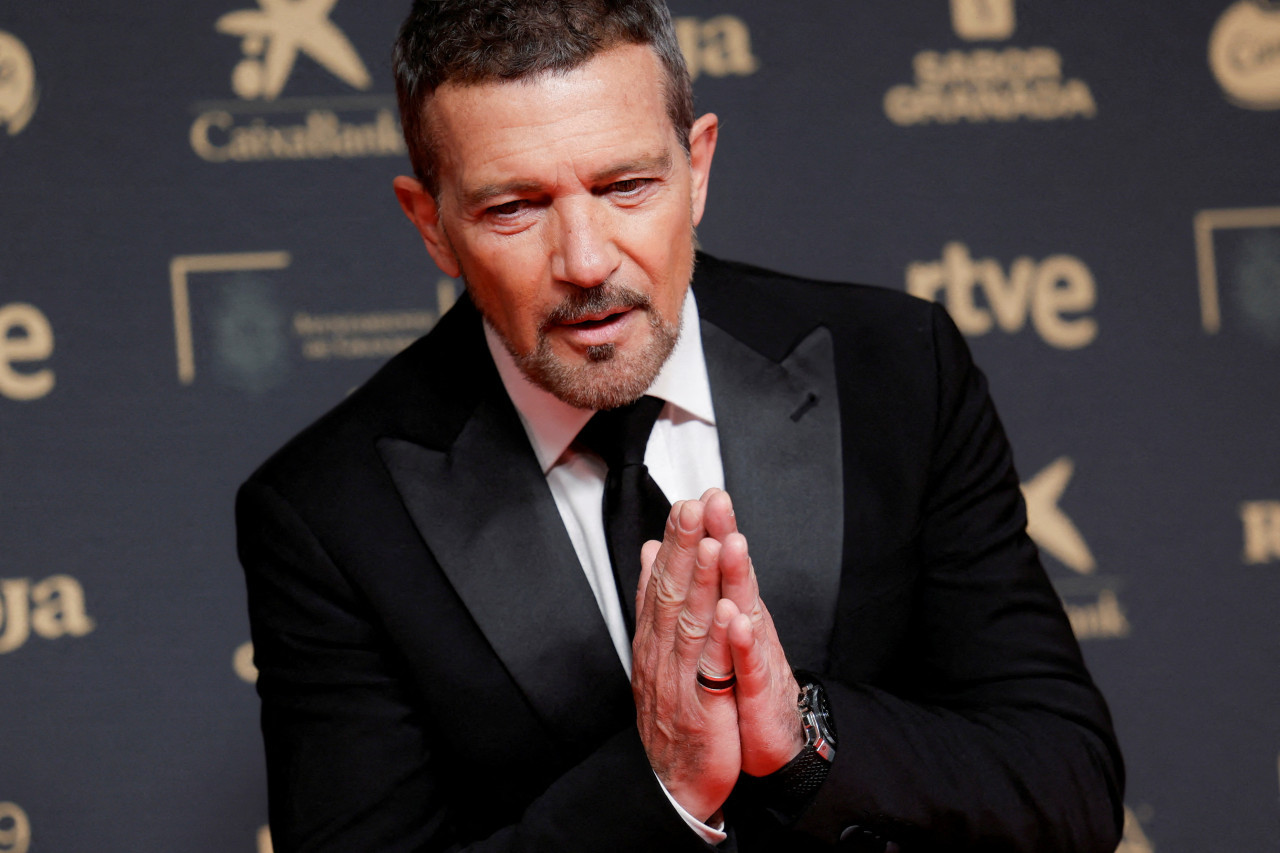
(353, 762)
(992, 736)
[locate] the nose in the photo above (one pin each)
(584, 253)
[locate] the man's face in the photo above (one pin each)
(568, 205)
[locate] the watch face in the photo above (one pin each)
(816, 701)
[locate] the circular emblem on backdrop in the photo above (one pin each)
(1256, 289)
(250, 341)
(18, 94)
(1244, 54)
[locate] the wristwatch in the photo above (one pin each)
(788, 790)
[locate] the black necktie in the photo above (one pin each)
(635, 509)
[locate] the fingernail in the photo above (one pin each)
(723, 614)
(688, 519)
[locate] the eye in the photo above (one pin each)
(507, 209)
(631, 186)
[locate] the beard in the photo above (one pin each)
(609, 378)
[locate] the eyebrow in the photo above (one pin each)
(482, 194)
(655, 163)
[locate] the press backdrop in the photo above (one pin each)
(200, 252)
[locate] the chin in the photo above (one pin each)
(607, 378)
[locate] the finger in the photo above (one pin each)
(667, 532)
(769, 725)
(737, 580)
(717, 657)
(695, 619)
(750, 663)
(649, 587)
(648, 554)
(720, 520)
(673, 567)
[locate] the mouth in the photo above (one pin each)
(596, 328)
(596, 320)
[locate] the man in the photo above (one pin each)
(443, 651)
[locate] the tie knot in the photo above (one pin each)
(619, 436)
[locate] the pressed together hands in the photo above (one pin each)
(698, 607)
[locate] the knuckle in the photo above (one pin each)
(665, 595)
(691, 626)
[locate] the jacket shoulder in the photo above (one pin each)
(773, 310)
(423, 394)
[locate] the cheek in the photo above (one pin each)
(518, 317)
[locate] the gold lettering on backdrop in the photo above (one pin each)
(1098, 620)
(18, 91)
(25, 336)
(14, 614)
(989, 85)
(1244, 54)
(15, 829)
(378, 334)
(1261, 521)
(58, 608)
(976, 20)
(1047, 292)
(718, 47)
(52, 608)
(322, 135)
(242, 663)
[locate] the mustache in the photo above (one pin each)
(583, 303)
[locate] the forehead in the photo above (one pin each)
(611, 107)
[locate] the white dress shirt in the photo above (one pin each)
(683, 457)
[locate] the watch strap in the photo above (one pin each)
(788, 791)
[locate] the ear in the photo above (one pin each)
(702, 147)
(424, 213)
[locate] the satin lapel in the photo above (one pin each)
(485, 511)
(779, 428)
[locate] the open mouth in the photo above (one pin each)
(595, 321)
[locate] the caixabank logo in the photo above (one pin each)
(240, 320)
(1091, 598)
(1238, 259)
(1244, 54)
(18, 91)
(263, 124)
(988, 84)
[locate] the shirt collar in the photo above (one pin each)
(552, 424)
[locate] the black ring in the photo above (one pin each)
(716, 685)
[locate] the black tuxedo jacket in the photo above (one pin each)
(435, 673)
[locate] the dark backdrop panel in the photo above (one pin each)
(197, 259)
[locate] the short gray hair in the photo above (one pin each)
(477, 41)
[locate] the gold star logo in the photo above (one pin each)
(276, 33)
(1048, 525)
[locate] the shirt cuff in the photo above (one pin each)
(712, 833)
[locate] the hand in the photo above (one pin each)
(690, 735)
(768, 722)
